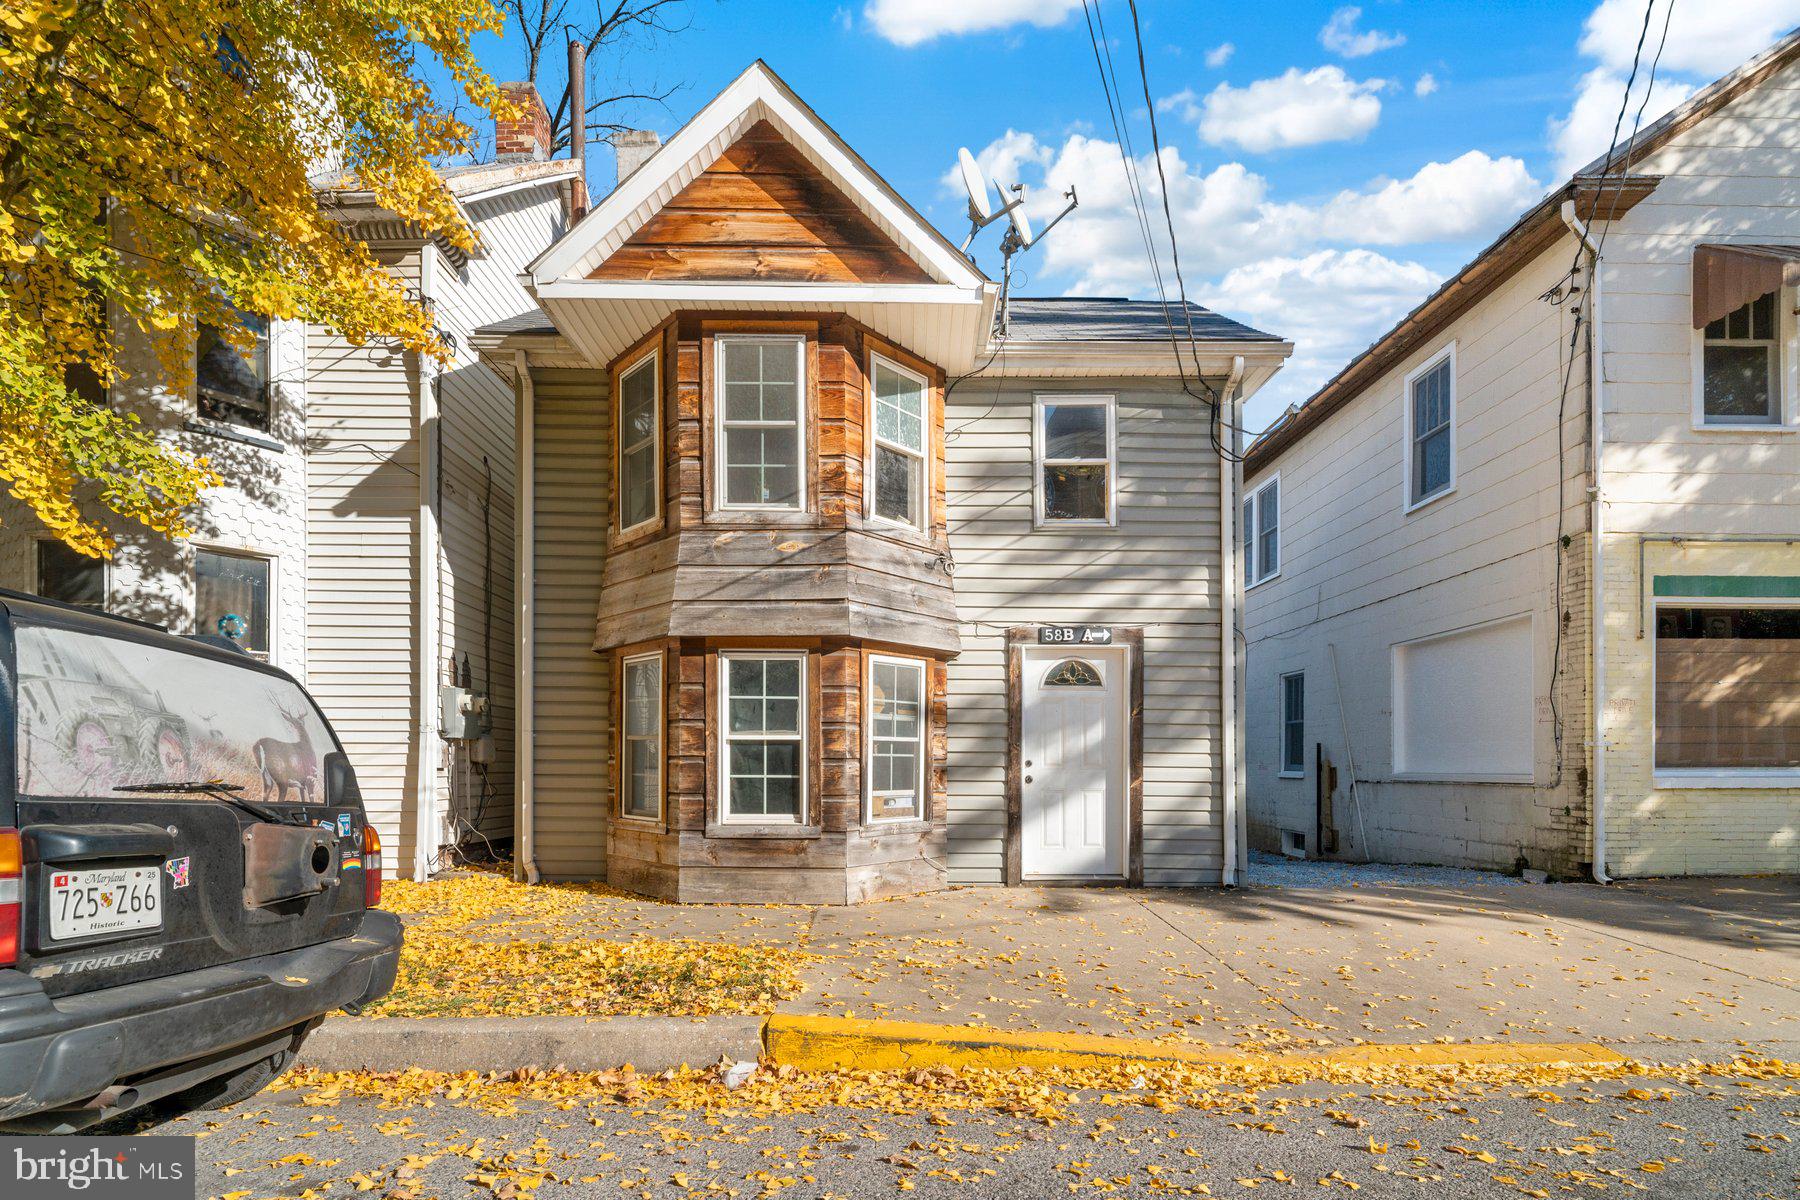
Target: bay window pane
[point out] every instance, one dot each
(765, 746)
(899, 486)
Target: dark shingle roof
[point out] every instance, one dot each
(531, 322)
(1112, 319)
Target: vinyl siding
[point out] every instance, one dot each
(1158, 569)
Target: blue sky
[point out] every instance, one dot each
(1328, 166)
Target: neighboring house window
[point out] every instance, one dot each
(762, 411)
(71, 577)
(1741, 366)
(231, 598)
(1262, 533)
(899, 400)
(896, 738)
(231, 383)
(1293, 724)
(639, 463)
(764, 752)
(1077, 456)
(1727, 687)
(640, 766)
(1431, 417)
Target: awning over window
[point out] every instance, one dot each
(1728, 277)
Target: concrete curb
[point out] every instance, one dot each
(500, 1044)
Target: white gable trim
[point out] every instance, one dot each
(757, 94)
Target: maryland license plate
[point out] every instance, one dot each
(87, 903)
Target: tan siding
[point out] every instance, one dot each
(1159, 568)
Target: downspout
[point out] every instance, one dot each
(1596, 388)
(525, 635)
(425, 791)
(1231, 484)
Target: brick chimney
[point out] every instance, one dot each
(631, 147)
(526, 137)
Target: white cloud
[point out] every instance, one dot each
(1705, 38)
(1298, 108)
(913, 22)
(1441, 202)
(1186, 102)
(1426, 86)
(1331, 304)
(1584, 134)
(1341, 36)
(1219, 55)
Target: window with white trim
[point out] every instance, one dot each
(1740, 365)
(640, 748)
(1431, 435)
(899, 406)
(896, 738)
(1262, 532)
(1293, 723)
(761, 405)
(639, 465)
(764, 727)
(1727, 687)
(231, 598)
(1077, 454)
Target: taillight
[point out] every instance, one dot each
(12, 895)
(371, 867)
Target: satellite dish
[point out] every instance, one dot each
(1020, 222)
(981, 204)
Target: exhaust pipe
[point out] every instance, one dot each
(116, 1096)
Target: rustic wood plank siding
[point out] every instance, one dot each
(1159, 569)
(571, 697)
(761, 211)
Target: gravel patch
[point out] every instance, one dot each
(1276, 870)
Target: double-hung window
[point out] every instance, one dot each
(764, 723)
(640, 749)
(1431, 429)
(1262, 532)
(899, 402)
(896, 738)
(761, 403)
(1293, 724)
(1077, 453)
(231, 372)
(639, 465)
(1741, 365)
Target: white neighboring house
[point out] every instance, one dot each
(366, 509)
(1418, 615)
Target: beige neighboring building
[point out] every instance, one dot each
(1431, 676)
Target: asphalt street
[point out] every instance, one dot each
(1705, 1136)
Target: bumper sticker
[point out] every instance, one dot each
(178, 871)
(343, 824)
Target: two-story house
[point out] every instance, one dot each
(831, 584)
(1523, 579)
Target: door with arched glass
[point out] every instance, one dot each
(1073, 758)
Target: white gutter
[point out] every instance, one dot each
(1596, 539)
(524, 633)
(425, 794)
(1231, 484)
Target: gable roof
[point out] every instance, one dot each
(1116, 319)
(758, 94)
(1596, 196)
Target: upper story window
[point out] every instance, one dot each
(639, 465)
(1076, 442)
(761, 403)
(231, 382)
(1740, 371)
(898, 417)
(1262, 532)
(1431, 429)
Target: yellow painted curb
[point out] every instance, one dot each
(849, 1043)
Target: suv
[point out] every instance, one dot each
(187, 877)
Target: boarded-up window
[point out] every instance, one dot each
(1727, 687)
(1463, 703)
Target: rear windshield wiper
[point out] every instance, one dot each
(217, 790)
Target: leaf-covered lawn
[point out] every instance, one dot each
(481, 945)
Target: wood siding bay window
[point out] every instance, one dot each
(641, 737)
(899, 422)
(761, 405)
(639, 461)
(1728, 688)
(763, 761)
(896, 745)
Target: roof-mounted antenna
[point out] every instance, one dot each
(982, 212)
(1020, 237)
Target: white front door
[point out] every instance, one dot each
(1072, 762)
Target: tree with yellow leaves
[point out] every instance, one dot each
(157, 167)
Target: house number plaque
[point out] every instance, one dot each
(1074, 635)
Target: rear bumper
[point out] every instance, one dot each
(60, 1052)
